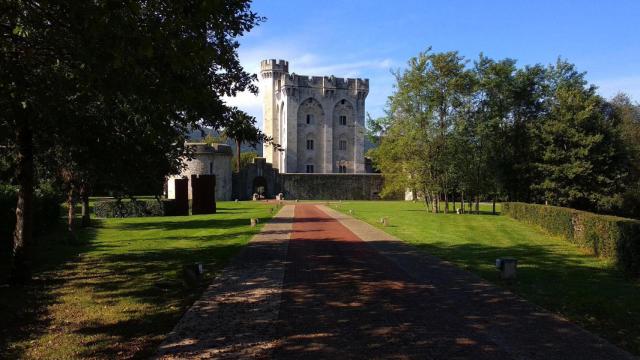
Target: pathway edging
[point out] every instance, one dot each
(235, 316)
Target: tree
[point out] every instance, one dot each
(583, 163)
(246, 158)
(143, 70)
(242, 129)
(429, 95)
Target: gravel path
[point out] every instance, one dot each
(326, 285)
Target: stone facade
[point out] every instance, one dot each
(319, 120)
(331, 186)
(261, 176)
(212, 159)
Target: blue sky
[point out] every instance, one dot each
(368, 39)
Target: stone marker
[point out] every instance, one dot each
(385, 221)
(253, 222)
(458, 211)
(350, 212)
(192, 275)
(256, 197)
(236, 200)
(507, 268)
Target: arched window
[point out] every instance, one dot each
(309, 144)
(309, 118)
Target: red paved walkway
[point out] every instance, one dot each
(344, 298)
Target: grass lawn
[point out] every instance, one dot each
(118, 290)
(551, 272)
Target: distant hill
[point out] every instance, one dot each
(196, 136)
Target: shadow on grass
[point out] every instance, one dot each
(23, 309)
(149, 279)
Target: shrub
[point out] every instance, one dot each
(606, 236)
(134, 208)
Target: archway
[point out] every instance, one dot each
(260, 186)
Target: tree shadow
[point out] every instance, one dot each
(24, 309)
(151, 280)
(379, 299)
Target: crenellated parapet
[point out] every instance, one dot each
(273, 68)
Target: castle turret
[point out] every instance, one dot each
(271, 73)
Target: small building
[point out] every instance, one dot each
(214, 159)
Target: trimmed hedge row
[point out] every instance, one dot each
(134, 208)
(607, 236)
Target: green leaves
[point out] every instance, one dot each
(534, 133)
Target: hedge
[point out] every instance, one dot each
(134, 208)
(606, 236)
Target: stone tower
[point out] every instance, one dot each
(318, 120)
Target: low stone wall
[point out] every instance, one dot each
(330, 186)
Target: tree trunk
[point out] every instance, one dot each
(446, 203)
(71, 210)
(238, 158)
(494, 204)
(434, 203)
(454, 201)
(462, 202)
(470, 204)
(84, 197)
(23, 233)
(478, 204)
(427, 200)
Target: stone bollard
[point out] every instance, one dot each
(192, 275)
(296, 200)
(253, 222)
(236, 200)
(458, 211)
(507, 268)
(385, 221)
(350, 212)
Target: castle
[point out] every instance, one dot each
(318, 120)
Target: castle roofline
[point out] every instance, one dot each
(204, 148)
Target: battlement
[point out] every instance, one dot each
(326, 82)
(274, 65)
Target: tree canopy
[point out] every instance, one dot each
(493, 129)
(105, 91)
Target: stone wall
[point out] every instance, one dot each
(331, 186)
(212, 159)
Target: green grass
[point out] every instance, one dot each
(117, 290)
(551, 272)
